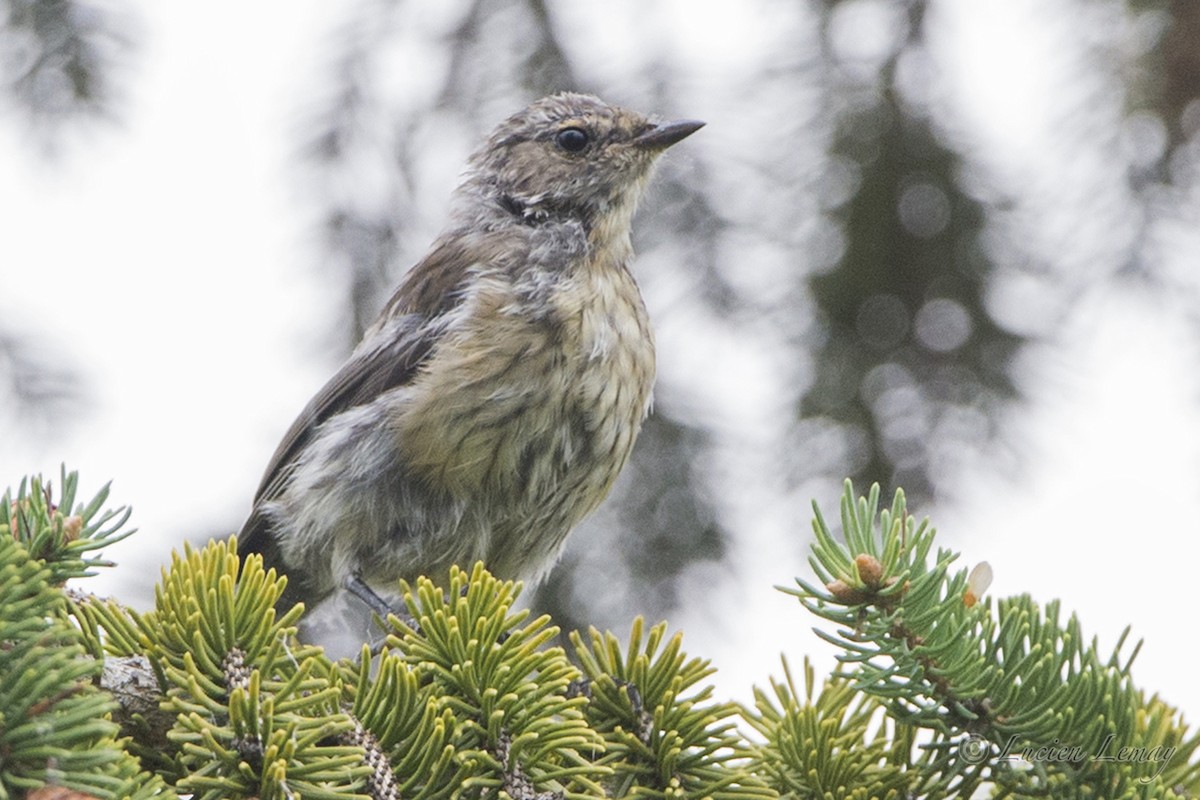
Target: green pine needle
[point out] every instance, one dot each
(836, 744)
(982, 680)
(939, 689)
(62, 533)
(493, 670)
(53, 725)
(663, 735)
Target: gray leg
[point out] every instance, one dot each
(357, 587)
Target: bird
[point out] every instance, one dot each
(493, 402)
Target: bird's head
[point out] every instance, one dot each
(571, 155)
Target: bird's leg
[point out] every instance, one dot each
(356, 586)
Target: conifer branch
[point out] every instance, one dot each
(940, 687)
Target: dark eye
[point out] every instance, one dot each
(572, 139)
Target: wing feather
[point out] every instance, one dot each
(391, 354)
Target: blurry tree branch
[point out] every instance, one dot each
(911, 355)
(59, 61)
(44, 392)
(360, 128)
(1173, 65)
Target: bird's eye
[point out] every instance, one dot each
(572, 139)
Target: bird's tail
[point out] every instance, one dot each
(255, 538)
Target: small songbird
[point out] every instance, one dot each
(492, 404)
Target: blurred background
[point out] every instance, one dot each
(945, 245)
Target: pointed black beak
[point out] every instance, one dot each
(667, 134)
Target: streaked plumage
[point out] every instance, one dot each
(495, 400)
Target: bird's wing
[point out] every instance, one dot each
(362, 379)
(382, 363)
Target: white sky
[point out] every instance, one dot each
(169, 259)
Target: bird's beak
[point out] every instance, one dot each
(667, 134)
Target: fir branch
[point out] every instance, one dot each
(836, 744)
(491, 668)
(218, 697)
(406, 721)
(986, 686)
(663, 735)
(256, 750)
(62, 533)
(214, 618)
(257, 713)
(53, 725)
